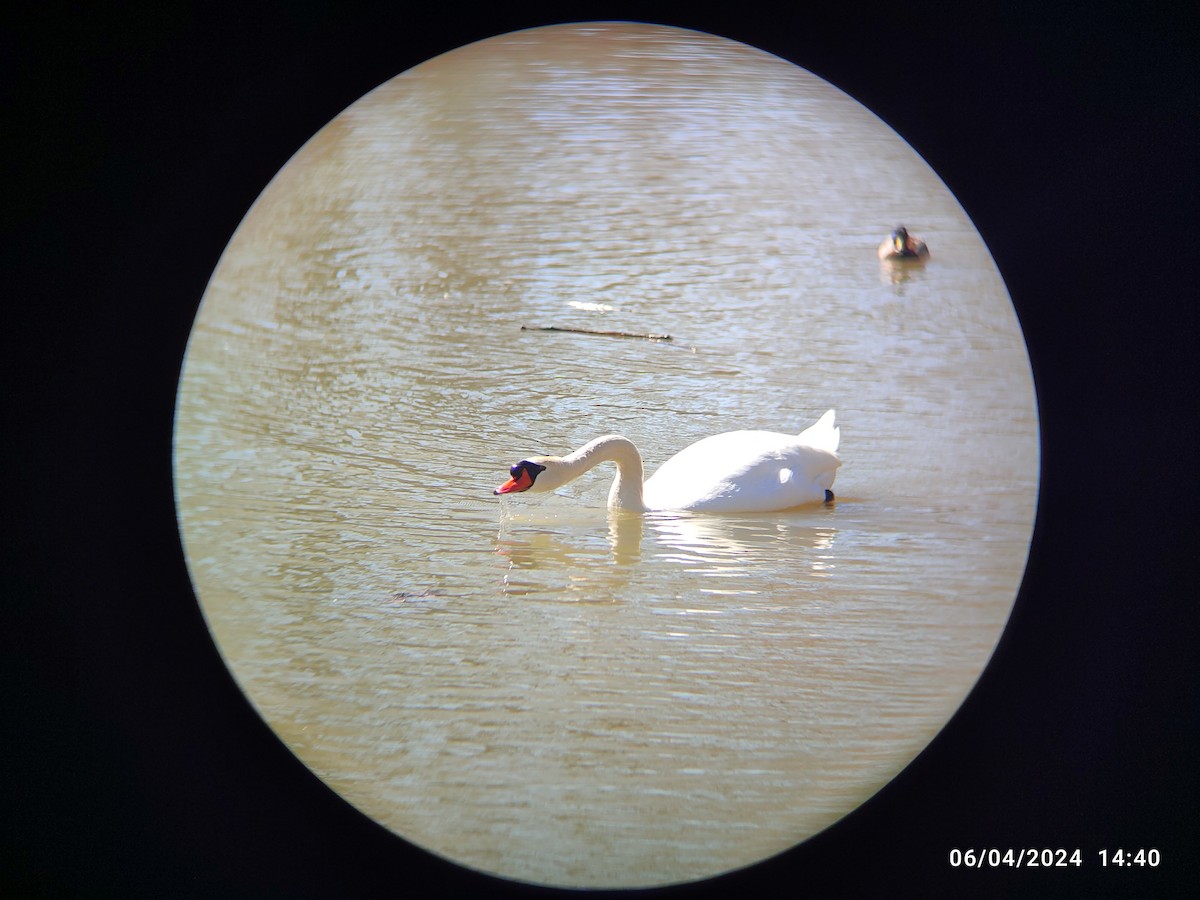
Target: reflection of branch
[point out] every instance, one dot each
(624, 334)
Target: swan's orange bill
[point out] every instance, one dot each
(515, 485)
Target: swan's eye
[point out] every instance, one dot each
(530, 470)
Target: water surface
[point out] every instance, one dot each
(531, 686)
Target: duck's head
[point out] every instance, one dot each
(525, 478)
(900, 239)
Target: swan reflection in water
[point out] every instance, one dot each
(714, 546)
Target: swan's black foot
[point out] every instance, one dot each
(828, 496)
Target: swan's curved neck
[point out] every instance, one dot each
(626, 490)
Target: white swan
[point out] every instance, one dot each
(739, 471)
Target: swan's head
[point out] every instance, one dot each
(525, 478)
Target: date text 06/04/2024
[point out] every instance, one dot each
(1030, 857)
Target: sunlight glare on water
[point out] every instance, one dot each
(530, 685)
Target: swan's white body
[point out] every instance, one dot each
(739, 471)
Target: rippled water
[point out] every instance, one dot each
(530, 685)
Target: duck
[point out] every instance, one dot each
(903, 246)
(733, 472)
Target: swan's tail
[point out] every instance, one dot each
(823, 435)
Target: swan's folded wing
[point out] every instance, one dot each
(742, 471)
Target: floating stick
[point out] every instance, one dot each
(624, 334)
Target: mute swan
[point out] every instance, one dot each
(739, 471)
(903, 246)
